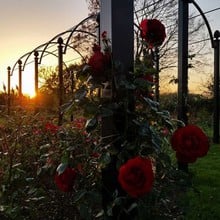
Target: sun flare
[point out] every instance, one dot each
(29, 91)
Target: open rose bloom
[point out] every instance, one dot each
(65, 181)
(99, 63)
(136, 176)
(153, 32)
(189, 142)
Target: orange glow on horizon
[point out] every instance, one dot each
(29, 92)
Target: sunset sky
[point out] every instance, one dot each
(26, 24)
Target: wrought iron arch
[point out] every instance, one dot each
(43, 48)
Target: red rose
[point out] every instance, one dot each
(148, 78)
(189, 142)
(79, 122)
(153, 32)
(97, 61)
(65, 181)
(51, 128)
(136, 176)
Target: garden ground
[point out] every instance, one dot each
(199, 201)
(203, 200)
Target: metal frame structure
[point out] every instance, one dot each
(183, 65)
(63, 42)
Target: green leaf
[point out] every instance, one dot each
(91, 124)
(61, 168)
(169, 124)
(132, 206)
(65, 158)
(79, 195)
(100, 214)
(45, 146)
(80, 94)
(154, 105)
(105, 158)
(85, 212)
(67, 107)
(144, 129)
(165, 158)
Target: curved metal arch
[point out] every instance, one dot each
(48, 52)
(36, 49)
(74, 29)
(44, 50)
(28, 54)
(206, 22)
(77, 52)
(45, 45)
(86, 32)
(71, 30)
(51, 53)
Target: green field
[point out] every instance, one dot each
(203, 201)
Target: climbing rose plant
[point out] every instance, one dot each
(123, 165)
(86, 170)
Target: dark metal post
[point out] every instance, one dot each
(183, 60)
(216, 88)
(183, 13)
(116, 18)
(36, 72)
(215, 45)
(9, 89)
(157, 76)
(36, 79)
(72, 88)
(20, 79)
(60, 75)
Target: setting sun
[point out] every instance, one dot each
(28, 90)
(27, 81)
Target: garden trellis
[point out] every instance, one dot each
(64, 42)
(123, 175)
(183, 65)
(122, 50)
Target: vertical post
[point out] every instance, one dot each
(183, 12)
(9, 88)
(36, 79)
(157, 77)
(36, 72)
(183, 60)
(216, 88)
(20, 79)
(116, 18)
(60, 76)
(72, 88)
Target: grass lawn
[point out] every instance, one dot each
(203, 202)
